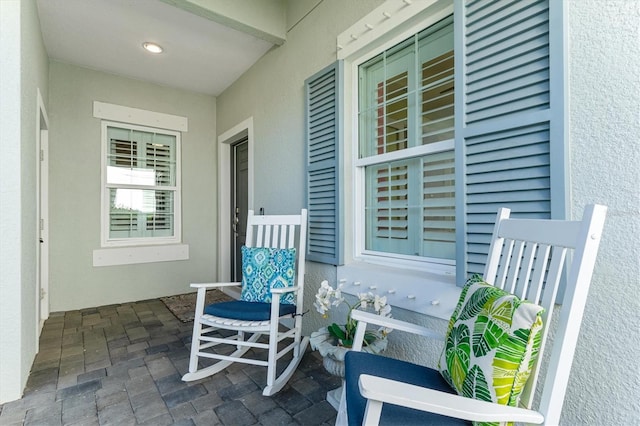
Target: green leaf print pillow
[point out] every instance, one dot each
(492, 341)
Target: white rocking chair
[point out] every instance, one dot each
(276, 319)
(526, 258)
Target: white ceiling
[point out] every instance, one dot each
(107, 35)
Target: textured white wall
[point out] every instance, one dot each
(75, 149)
(34, 70)
(604, 96)
(24, 69)
(10, 256)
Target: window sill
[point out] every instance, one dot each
(429, 293)
(133, 255)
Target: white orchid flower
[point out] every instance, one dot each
(327, 297)
(379, 302)
(338, 292)
(363, 300)
(385, 311)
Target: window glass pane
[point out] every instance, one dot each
(160, 158)
(388, 209)
(140, 158)
(138, 213)
(410, 206)
(438, 206)
(436, 83)
(406, 100)
(389, 91)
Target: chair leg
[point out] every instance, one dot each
(197, 330)
(195, 347)
(284, 377)
(273, 351)
(240, 338)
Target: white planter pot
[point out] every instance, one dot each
(333, 355)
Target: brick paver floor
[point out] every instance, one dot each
(122, 364)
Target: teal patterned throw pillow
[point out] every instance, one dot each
(492, 341)
(267, 268)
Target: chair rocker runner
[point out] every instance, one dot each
(273, 265)
(489, 369)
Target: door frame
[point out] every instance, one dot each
(42, 216)
(242, 130)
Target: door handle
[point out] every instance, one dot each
(234, 225)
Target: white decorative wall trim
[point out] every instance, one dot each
(432, 293)
(387, 17)
(138, 116)
(133, 255)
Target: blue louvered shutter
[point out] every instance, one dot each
(323, 94)
(504, 129)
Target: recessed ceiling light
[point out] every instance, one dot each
(152, 47)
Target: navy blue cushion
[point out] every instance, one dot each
(357, 363)
(246, 311)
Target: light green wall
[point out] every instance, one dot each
(24, 70)
(264, 19)
(298, 9)
(604, 123)
(272, 92)
(75, 190)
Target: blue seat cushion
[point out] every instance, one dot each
(246, 311)
(357, 363)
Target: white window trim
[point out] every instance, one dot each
(427, 286)
(134, 255)
(139, 241)
(416, 151)
(138, 251)
(432, 292)
(141, 117)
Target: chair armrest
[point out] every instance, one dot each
(371, 318)
(213, 285)
(282, 290)
(424, 399)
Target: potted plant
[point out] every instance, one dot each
(335, 340)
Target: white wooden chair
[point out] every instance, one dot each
(274, 319)
(527, 258)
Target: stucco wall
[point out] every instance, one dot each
(75, 150)
(10, 256)
(604, 88)
(24, 71)
(604, 124)
(34, 69)
(272, 92)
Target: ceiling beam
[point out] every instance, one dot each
(264, 19)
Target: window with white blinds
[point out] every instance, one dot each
(406, 147)
(141, 184)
